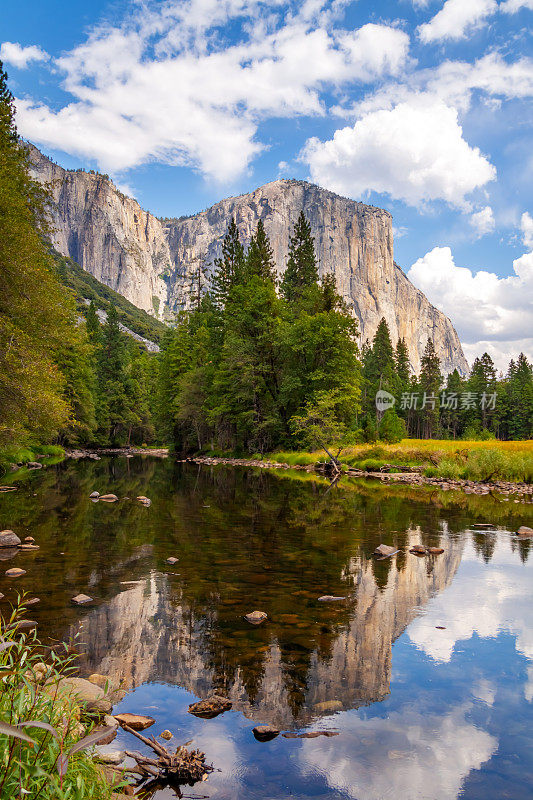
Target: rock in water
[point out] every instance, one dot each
(138, 722)
(418, 549)
(385, 550)
(108, 498)
(29, 547)
(210, 707)
(166, 735)
(435, 551)
(29, 540)
(525, 532)
(81, 599)
(94, 494)
(329, 598)
(265, 733)
(15, 572)
(34, 465)
(172, 560)
(256, 617)
(9, 539)
(113, 757)
(327, 706)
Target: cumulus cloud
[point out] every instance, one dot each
(168, 87)
(489, 312)
(480, 600)
(415, 152)
(483, 221)
(526, 226)
(18, 56)
(456, 18)
(512, 6)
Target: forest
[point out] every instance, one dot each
(255, 363)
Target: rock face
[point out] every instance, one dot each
(150, 261)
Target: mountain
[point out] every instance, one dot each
(150, 261)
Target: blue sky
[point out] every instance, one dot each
(422, 107)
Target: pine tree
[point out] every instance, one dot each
(94, 329)
(228, 269)
(430, 382)
(301, 272)
(379, 369)
(260, 258)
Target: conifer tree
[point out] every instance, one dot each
(430, 381)
(260, 258)
(301, 272)
(229, 268)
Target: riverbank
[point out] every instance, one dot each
(410, 478)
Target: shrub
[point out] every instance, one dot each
(391, 428)
(41, 754)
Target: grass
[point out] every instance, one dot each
(53, 723)
(16, 454)
(439, 458)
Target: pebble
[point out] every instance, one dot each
(15, 572)
(172, 560)
(81, 599)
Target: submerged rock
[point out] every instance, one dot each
(136, 721)
(309, 734)
(210, 707)
(256, 617)
(265, 733)
(32, 601)
(9, 539)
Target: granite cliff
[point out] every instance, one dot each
(150, 261)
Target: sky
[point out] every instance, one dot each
(422, 107)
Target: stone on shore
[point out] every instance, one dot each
(9, 539)
(86, 693)
(137, 722)
(15, 572)
(256, 617)
(100, 680)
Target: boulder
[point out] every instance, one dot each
(113, 757)
(9, 539)
(136, 721)
(210, 707)
(100, 680)
(108, 498)
(109, 722)
(81, 599)
(86, 693)
(385, 550)
(7, 553)
(256, 617)
(329, 598)
(265, 733)
(15, 572)
(93, 495)
(525, 532)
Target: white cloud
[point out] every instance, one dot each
(483, 221)
(167, 86)
(415, 152)
(483, 600)
(488, 312)
(456, 18)
(407, 754)
(18, 56)
(512, 6)
(526, 226)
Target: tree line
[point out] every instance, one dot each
(255, 363)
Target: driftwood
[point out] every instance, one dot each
(182, 766)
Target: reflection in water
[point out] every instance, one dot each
(250, 540)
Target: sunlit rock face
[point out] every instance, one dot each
(149, 632)
(151, 262)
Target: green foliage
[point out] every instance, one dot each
(301, 272)
(391, 428)
(31, 763)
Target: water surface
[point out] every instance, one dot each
(425, 669)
